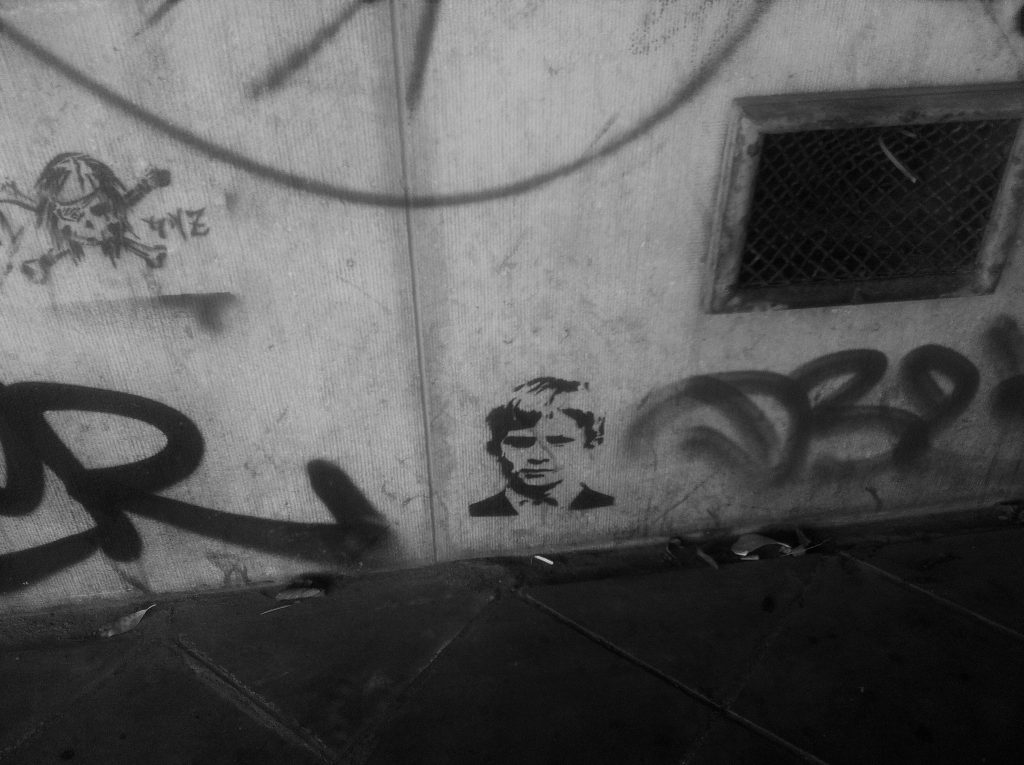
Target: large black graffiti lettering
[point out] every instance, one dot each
(111, 494)
(814, 404)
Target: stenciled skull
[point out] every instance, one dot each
(89, 220)
(84, 203)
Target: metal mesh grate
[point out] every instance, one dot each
(876, 203)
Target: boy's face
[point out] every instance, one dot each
(541, 457)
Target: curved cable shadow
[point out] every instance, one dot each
(352, 195)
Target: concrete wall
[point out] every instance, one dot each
(401, 211)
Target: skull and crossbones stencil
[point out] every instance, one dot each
(82, 205)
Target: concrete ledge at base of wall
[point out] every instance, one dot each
(84, 619)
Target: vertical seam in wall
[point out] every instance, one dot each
(417, 322)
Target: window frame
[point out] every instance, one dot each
(758, 116)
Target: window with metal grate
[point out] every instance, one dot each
(853, 198)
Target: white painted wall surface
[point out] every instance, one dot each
(560, 162)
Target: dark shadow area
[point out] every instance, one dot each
(208, 309)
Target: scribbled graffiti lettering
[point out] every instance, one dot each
(174, 221)
(110, 494)
(196, 226)
(188, 223)
(159, 225)
(99, 490)
(818, 401)
(82, 205)
(538, 438)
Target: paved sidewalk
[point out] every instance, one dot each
(901, 652)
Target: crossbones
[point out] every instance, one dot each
(81, 203)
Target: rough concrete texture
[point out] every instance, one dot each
(823, 658)
(338, 236)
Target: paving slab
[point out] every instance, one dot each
(868, 670)
(331, 665)
(41, 683)
(702, 627)
(521, 687)
(983, 571)
(154, 710)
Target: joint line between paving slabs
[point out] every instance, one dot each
(366, 738)
(265, 713)
(731, 694)
(761, 651)
(691, 692)
(937, 598)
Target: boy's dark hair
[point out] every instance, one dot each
(518, 414)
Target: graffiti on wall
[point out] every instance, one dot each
(187, 224)
(814, 423)
(539, 438)
(81, 205)
(818, 401)
(110, 495)
(1005, 344)
(280, 72)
